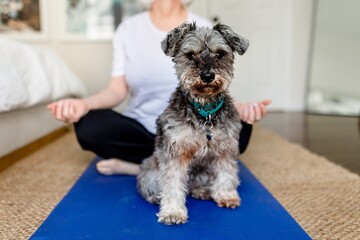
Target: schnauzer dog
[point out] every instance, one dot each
(197, 140)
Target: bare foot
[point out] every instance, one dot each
(115, 166)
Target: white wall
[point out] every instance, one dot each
(299, 49)
(336, 57)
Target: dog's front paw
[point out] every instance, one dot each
(228, 200)
(172, 218)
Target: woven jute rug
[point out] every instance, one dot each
(322, 197)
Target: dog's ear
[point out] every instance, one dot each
(172, 42)
(236, 42)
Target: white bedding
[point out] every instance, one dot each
(32, 75)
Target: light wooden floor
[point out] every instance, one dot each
(337, 138)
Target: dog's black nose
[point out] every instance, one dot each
(207, 76)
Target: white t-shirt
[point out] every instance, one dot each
(149, 73)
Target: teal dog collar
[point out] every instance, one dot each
(209, 108)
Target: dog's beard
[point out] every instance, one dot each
(207, 89)
(198, 88)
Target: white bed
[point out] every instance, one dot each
(30, 78)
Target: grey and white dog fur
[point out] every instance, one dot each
(184, 159)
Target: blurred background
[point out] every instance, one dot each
(334, 73)
(304, 55)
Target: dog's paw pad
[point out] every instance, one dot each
(229, 203)
(172, 219)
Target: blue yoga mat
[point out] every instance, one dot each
(109, 207)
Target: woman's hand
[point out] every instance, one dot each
(68, 110)
(252, 112)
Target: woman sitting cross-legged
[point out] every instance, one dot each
(140, 69)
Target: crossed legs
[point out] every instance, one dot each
(123, 141)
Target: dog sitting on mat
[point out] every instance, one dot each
(197, 140)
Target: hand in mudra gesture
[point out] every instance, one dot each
(68, 110)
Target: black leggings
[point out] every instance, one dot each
(112, 135)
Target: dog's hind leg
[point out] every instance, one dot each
(147, 180)
(199, 186)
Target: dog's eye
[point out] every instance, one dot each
(220, 54)
(190, 55)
